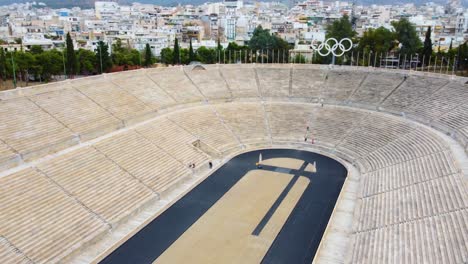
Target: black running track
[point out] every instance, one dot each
(297, 241)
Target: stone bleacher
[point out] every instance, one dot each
(307, 83)
(412, 91)
(144, 160)
(240, 80)
(206, 125)
(440, 239)
(173, 139)
(247, 120)
(115, 100)
(176, 84)
(42, 221)
(409, 172)
(441, 102)
(99, 183)
(78, 112)
(138, 84)
(376, 87)
(412, 185)
(30, 131)
(274, 81)
(340, 85)
(209, 81)
(367, 135)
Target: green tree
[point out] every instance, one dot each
(148, 56)
(124, 56)
(3, 64)
(462, 57)
(86, 62)
(263, 40)
(379, 41)
(207, 56)
(406, 35)
(103, 60)
(167, 56)
(36, 49)
(48, 63)
(191, 53)
(176, 55)
(427, 49)
(340, 29)
(184, 56)
(24, 61)
(299, 58)
(70, 56)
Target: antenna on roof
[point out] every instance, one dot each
(353, 15)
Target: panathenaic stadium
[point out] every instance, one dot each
(246, 163)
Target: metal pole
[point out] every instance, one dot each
(352, 58)
(423, 62)
(139, 56)
(399, 57)
(435, 64)
(447, 68)
(375, 59)
(100, 56)
(64, 68)
(14, 73)
(441, 63)
(386, 61)
(369, 59)
(357, 60)
(454, 63)
(224, 56)
(404, 63)
(429, 66)
(411, 62)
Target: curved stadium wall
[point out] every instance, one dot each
(83, 158)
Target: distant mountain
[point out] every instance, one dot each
(90, 3)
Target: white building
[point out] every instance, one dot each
(106, 9)
(231, 17)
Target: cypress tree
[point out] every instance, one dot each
(3, 64)
(148, 56)
(191, 53)
(427, 50)
(71, 57)
(450, 47)
(176, 57)
(103, 59)
(219, 44)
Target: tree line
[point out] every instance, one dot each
(370, 49)
(42, 65)
(263, 47)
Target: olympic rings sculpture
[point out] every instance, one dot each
(333, 48)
